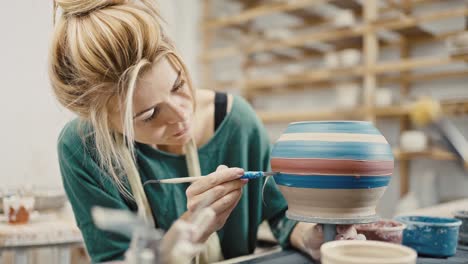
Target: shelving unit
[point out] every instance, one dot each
(374, 18)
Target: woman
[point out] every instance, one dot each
(141, 119)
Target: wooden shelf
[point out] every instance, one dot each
(337, 34)
(318, 75)
(408, 22)
(329, 84)
(279, 117)
(424, 77)
(258, 11)
(273, 8)
(433, 153)
(448, 107)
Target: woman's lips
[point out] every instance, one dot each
(181, 132)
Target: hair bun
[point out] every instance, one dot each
(79, 7)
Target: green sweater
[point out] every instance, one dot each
(240, 141)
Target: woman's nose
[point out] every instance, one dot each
(176, 113)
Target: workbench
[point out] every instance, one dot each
(292, 256)
(48, 231)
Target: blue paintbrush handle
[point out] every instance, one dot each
(256, 174)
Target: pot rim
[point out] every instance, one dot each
(406, 219)
(329, 249)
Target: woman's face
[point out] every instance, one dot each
(163, 107)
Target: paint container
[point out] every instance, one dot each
(384, 230)
(366, 252)
(463, 232)
(431, 236)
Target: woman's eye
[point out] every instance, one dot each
(153, 115)
(179, 86)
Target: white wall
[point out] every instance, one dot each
(30, 116)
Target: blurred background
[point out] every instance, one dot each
(293, 60)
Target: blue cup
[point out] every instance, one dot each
(431, 236)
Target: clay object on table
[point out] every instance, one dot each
(431, 236)
(463, 232)
(332, 170)
(18, 209)
(383, 230)
(366, 252)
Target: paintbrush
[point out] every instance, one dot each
(250, 175)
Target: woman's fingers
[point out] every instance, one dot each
(218, 177)
(222, 167)
(315, 238)
(227, 201)
(215, 193)
(346, 232)
(222, 217)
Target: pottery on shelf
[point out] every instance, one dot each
(332, 171)
(366, 252)
(431, 236)
(383, 230)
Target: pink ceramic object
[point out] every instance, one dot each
(383, 230)
(332, 171)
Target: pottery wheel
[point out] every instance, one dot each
(329, 224)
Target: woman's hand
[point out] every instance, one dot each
(309, 237)
(181, 242)
(220, 191)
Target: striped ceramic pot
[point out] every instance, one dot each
(332, 171)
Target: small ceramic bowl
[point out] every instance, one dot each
(431, 236)
(366, 252)
(384, 230)
(463, 232)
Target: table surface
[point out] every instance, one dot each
(46, 230)
(295, 257)
(441, 210)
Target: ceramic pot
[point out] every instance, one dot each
(331, 170)
(366, 252)
(463, 235)
(383, 230)
(431, 236)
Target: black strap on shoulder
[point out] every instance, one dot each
(220, 109)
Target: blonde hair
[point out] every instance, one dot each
(99, 49)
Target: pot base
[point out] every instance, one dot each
(344, 221)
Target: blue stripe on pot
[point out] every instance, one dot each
(331, 181)
(332, 150)
(355, 127)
